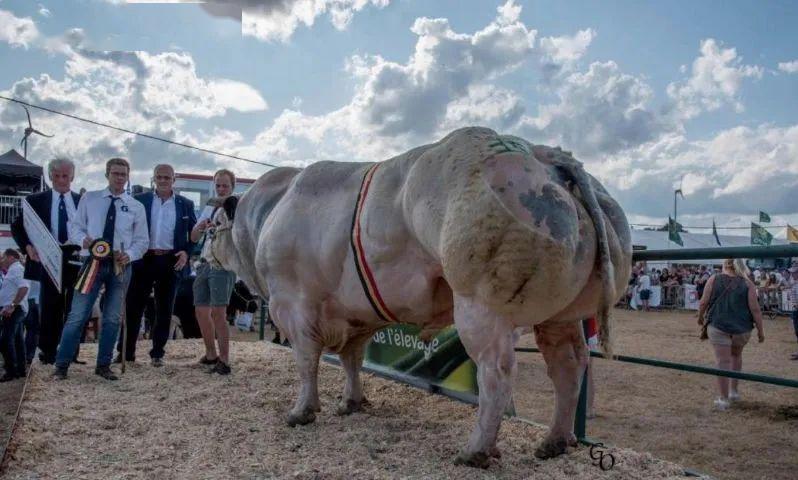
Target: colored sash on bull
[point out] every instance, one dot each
(362, 266)
(100, 250)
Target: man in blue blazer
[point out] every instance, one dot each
(170, 219)
(55, 208)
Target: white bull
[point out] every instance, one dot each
(483, 230)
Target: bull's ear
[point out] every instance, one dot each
(230, 204)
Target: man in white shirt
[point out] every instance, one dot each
(170, 218)
(116, 217)
(14, 303)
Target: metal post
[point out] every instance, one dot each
(580, 421)
(262, 333)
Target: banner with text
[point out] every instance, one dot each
(43, 241)
(442, 361)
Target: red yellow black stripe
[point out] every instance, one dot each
(363, 270)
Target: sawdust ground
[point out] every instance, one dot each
(181, 422)
(669, 413)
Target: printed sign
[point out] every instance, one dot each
(47, 247)
(442, 361)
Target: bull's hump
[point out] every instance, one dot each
(328, 177)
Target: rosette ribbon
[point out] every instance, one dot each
(99, 251)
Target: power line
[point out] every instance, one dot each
(133, 132)
(708, 228)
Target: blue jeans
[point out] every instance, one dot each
(115, 289)
(12, 344)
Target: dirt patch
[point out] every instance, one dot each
(181, 422)
(669, 413)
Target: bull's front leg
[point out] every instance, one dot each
(565, 353)
(297, 322)
(488, 339)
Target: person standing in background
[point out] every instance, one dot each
(14, 303)
(213, 286)
(170, 218)
(731, 309)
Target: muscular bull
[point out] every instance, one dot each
(484, 230)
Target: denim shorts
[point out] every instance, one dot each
(213, 286)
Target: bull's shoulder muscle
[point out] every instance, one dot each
(264, 194)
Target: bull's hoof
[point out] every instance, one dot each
(473, 459)
(551, 448)
(351, 406)
(303, 418)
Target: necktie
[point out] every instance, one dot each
(110, 222)
(62, 221)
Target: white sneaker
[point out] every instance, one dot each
(721, 404)
(734, 397)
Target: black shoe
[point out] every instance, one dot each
(221, 368)
(7, 377)
(205, 361)
(45, 360)
(60, 373)
(157, 362)
(106, 373)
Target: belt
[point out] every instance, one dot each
(158, 252)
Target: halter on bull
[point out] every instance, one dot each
(485, 231)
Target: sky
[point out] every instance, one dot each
(649, 95)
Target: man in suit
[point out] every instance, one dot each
(56, 208)
(170, 219)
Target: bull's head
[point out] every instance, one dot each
(220, 247)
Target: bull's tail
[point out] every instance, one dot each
(606, 269)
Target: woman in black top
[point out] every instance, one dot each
(730, 306)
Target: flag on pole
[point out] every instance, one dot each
(673, 232)
(759, 235)
(792, 234)
(764, 217)
(715, 232)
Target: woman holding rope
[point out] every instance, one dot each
(213, 286)
(730, 310)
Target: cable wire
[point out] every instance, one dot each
(133, 132)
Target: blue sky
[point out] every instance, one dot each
(646, 93)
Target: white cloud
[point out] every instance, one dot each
(151, 93)
(277, 20)
(738, 171)
(716, 77)
(789, 67)
(598, 111)
(562, 53)
(412, 98)
(44, 12)
(17, 32)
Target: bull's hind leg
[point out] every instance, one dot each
(565, 353)
(297, 322)
(352, 359)
(488, 339)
